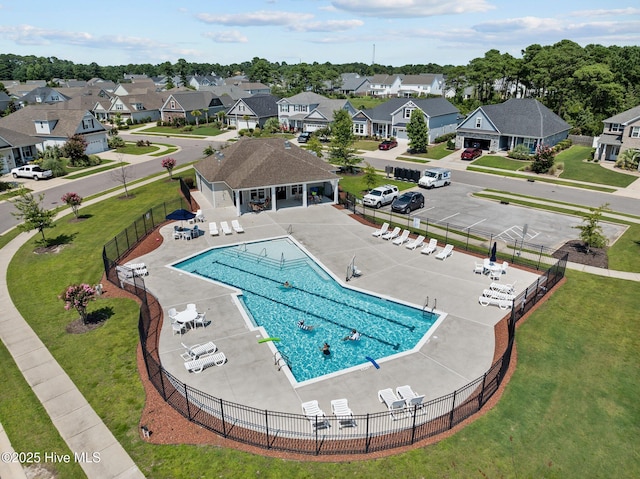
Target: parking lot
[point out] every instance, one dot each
(455, 205)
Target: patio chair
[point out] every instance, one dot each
(200, 320)
(403, 238)
(341, 410)
(416, 243)
(172, 313)
(383, 229)
(236, 226)
(445, 253)
(198, 350)
(394, 404)
(191, 306)
(177, 328)
(502, 303)
(504, 288)
(200, 364)
(478, 268)
(389, 235)
(314, 414)
(199, 216)
(410, 397)
(225, 227)
(431, 247)
(213, 229)
(504, 267)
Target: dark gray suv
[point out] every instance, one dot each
(408, 201)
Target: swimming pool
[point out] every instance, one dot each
(260, 268)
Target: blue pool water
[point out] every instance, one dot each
(260, 268)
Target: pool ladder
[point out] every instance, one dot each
(426, 306)
(280, 360)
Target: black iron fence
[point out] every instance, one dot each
(517, 251)
(295, 433)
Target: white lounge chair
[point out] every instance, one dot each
(496, 301)
(394, 404)
(431, 247)
(492, 293)
(314, 414)
(225, 227)
(445, 253)
(200, 364)
(389, 235)
(198, 350)
(383, 229)
(236, 226)
(213, 229)
(504, 288)
(416, 243)
(410, 397)
(403, 238)
(340, 409)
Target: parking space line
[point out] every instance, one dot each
(476, 223)
(447, 217)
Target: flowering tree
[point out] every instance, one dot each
(78, 296)
(74, 200)
(169, 163)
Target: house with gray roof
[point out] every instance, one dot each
(308, 111)
(271, 172)
(16, 149)
(253, 111)
(43, 94)
(390, 119)
(53, 125)
(351, 84)
(5, 100)
(421, 85)
(621, 132)
(182, 104)
(383, 85)
(506, 125)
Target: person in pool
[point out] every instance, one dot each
(325, 349)
(354, 336)
(303, 326)
(287, 285)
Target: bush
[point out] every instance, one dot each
(187, 128)
(115, 142)
(55, 165)
(543, 160)
(446, 137)
(94, 160)
(562, 145)
(189, 182)
(451, 144)
(520, 152)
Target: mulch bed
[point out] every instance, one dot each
(167, 426)
(577, 252)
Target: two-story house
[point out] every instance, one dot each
(383, 85)
(391, 117)
(421, 85)
(308, 111)
(621, 132)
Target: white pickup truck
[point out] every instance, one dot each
(31, 171)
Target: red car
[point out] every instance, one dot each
(387, 144)
(471, 154)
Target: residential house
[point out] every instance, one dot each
(506, 125)
(383, 85)
(143, 107)
(253, 111)
(182, 104)
(43, 94)
(231, 91)
(52, 125)
(199, 81)
(271, 172)
(308, 111)
(421, 85)
(136, 87)
(5, 101)
(16, 149)
(352, 84)
(621, 132)
(390, 118)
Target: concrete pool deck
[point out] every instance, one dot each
(460, 350)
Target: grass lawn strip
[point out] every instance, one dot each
(568, 411)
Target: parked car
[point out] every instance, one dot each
(408, 201)
(435, 177)
(382, 195)
(387, 144)
(471, 154)
(304, 137)
(31, 171)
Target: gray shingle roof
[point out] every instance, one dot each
(16, 139)
(194, 100)
(625, 117)
(261, 162)
(432, 107)
(525, 117)
(66, 120)
(262, 105)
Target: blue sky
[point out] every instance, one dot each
(335, 31)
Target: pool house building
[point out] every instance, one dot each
(257, 174)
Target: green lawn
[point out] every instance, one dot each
(133, 149)
(577, 168)
(202, 130)
(368, 145)
(570, 410)
(493, 161)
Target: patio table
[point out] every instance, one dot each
(188, 316)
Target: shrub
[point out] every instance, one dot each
(542, 160)
(77, 296)
(115, 142)
(187, 128)
(189, 182)
(94, 160)
(562, 145)
(451, 144)
(520, 152)
(55, 165)
(446, 137)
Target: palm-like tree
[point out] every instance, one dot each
(196, 114)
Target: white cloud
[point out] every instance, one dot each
(411, 8)
(606, 12)
(328, 26)
(261, 18)
(229, 36)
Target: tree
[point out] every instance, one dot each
(74, 200)
(341, 150)
(77, 296)
(315, 146)
(543, 159)
(196, 114)
(122, 174)
(272, 125)
(208, 150)
(629, 160)
(32, 213)
(591, 232)
(169, 164)
(418, 132)
(74, 149)
(370, 176)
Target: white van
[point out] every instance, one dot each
(435, 177)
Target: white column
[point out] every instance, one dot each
(304, 195)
